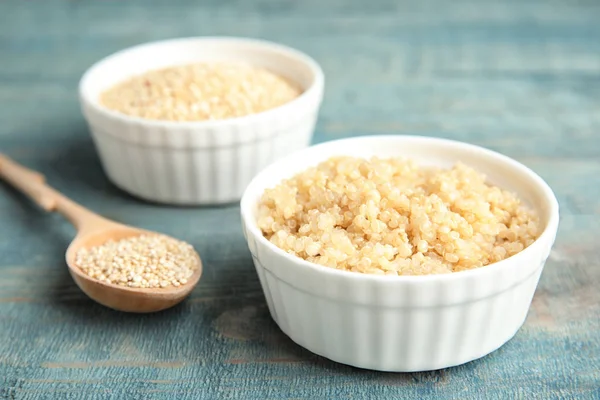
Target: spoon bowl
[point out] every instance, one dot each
(123, 298)
(94, 230)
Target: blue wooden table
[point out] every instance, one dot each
(520, 77)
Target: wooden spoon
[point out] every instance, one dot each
(94, 230)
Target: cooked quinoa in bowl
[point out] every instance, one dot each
(390, 216)
(353, 239)
(200, 91)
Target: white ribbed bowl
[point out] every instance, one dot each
(205, 162)
(403, 323)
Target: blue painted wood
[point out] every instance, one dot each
(520, 77)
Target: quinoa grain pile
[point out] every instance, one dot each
(146, 261)
(198, 92)
(389, 216)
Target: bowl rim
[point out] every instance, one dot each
(314, 90)
(547, 236)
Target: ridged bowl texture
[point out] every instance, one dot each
(402, 323)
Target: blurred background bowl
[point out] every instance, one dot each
(204, 162)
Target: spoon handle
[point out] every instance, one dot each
(33, 184)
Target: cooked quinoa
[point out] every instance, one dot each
(392, 217)
(145, 261)
(201, 91)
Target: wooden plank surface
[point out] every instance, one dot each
(520, 77)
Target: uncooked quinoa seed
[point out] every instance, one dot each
(201, 91)
(389, 216)
(146, 261)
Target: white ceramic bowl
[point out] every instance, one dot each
(403, 323)
(205, 162)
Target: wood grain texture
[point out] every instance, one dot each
(520, 77)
